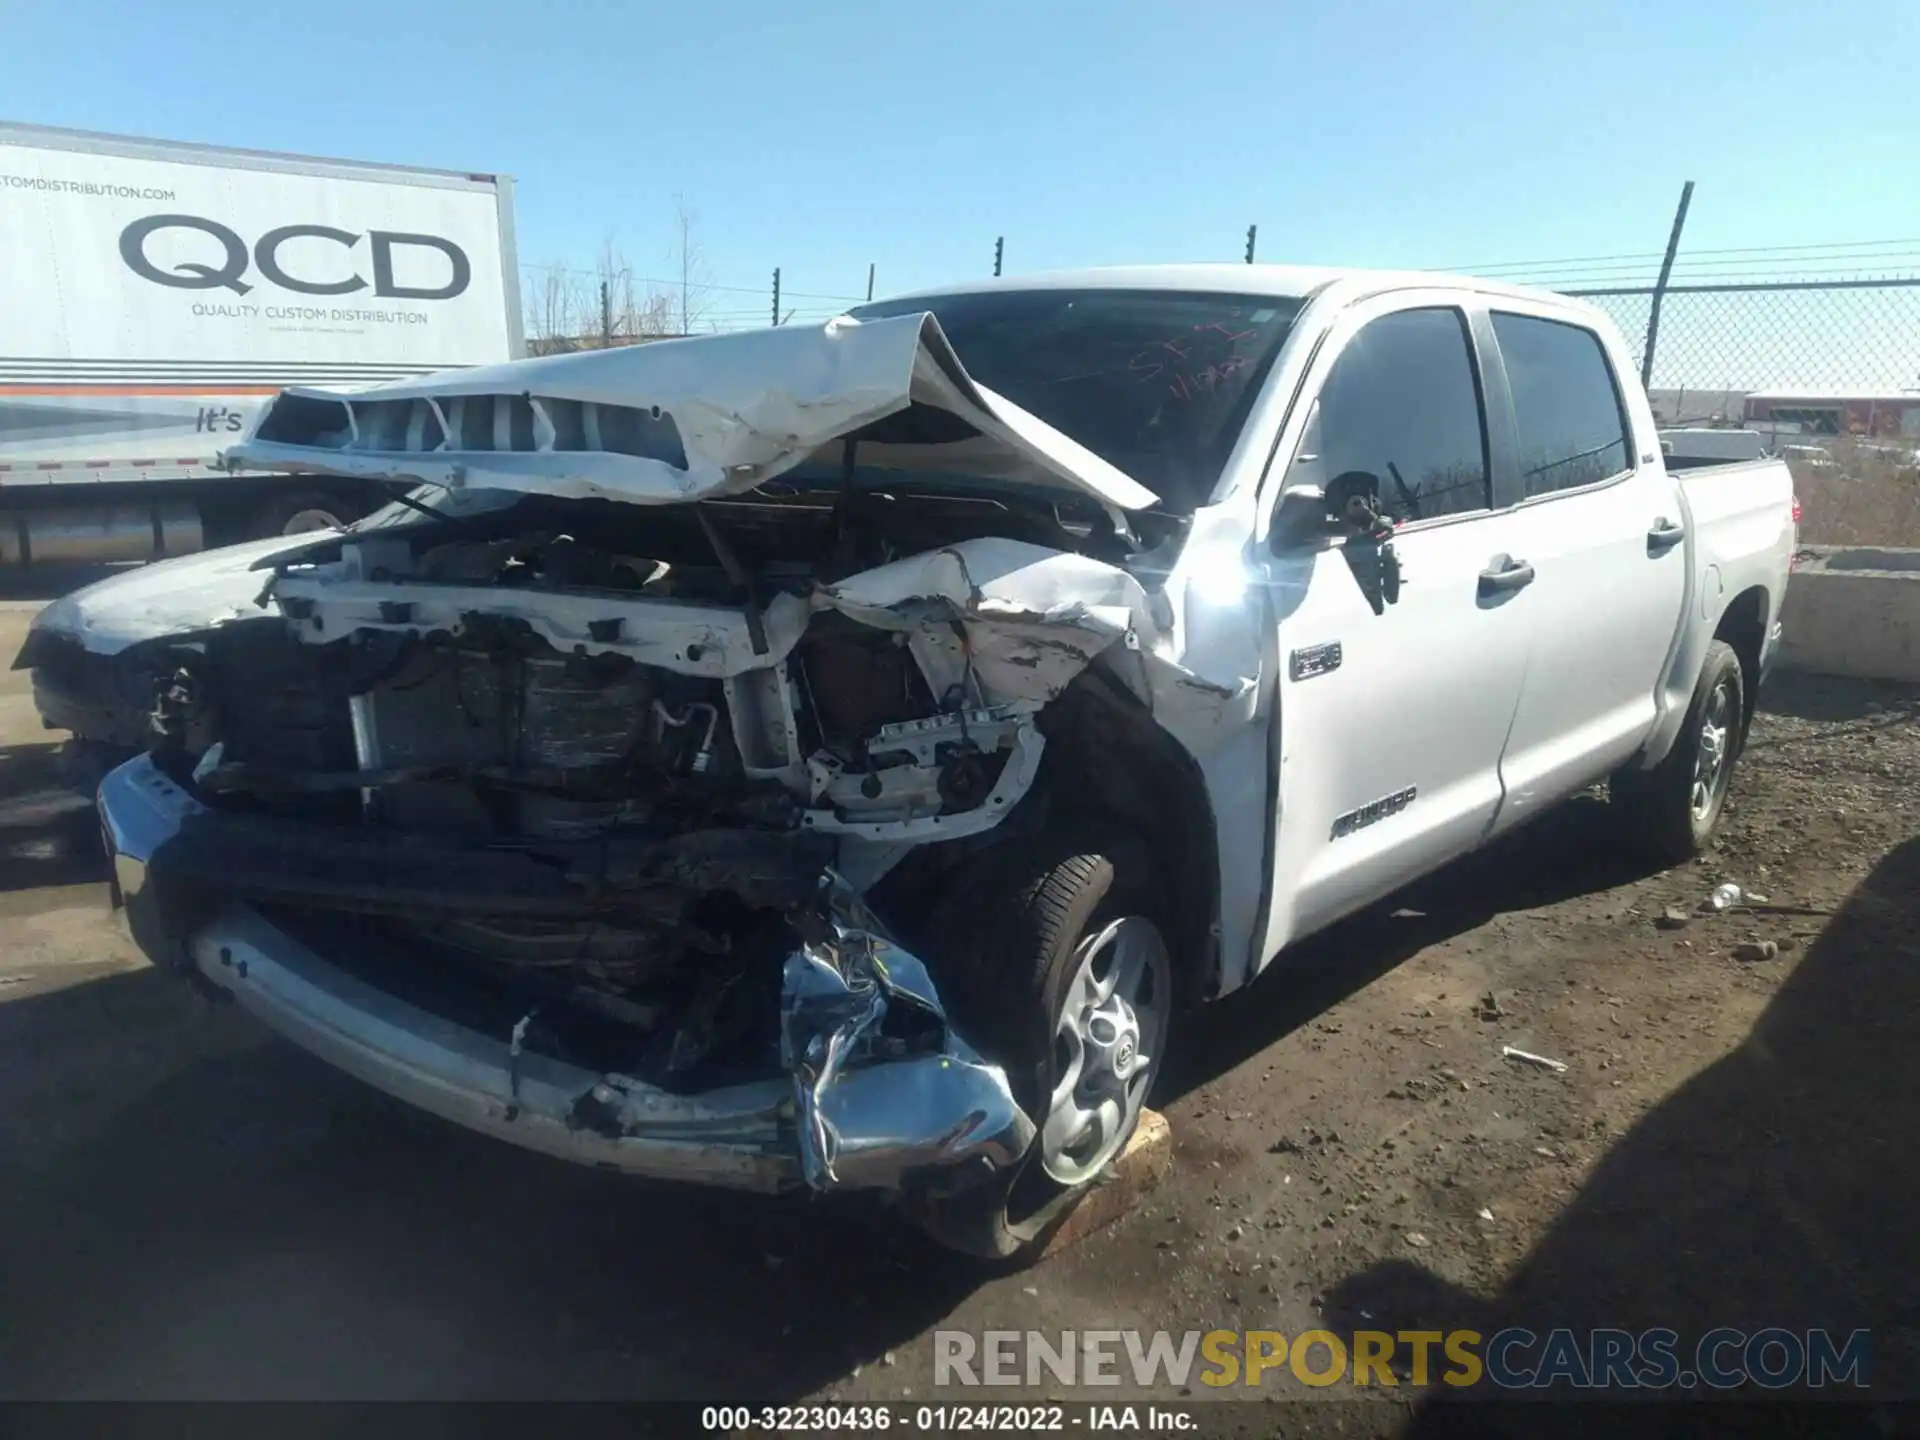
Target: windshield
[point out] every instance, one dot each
(1157, 383)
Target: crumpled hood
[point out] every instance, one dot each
(681, 420)
(170, 597)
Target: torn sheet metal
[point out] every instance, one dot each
(1029, 619)
(675, 420)
(866, 1114)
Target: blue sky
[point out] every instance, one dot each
(820, 137)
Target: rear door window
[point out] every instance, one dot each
(1566, 405)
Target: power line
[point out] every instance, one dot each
(1752, 262)
(676, 284)
(1683, 276)
(1653, 256)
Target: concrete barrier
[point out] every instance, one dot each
(1853, 611)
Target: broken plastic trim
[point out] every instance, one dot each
(866, 1116)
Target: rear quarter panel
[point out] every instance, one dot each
(1741, 539)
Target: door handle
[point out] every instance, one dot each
(1664, 535)
(1505, 574)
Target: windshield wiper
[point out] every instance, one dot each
(458, 522)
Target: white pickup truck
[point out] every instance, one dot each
(833, 756)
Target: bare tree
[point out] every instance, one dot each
(696, 286)
(630, 314)
(556, 308)
(570, 309)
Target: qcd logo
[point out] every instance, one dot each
(229, 272)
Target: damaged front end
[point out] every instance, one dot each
(565, 809)
(570, 846)
(877, 1086)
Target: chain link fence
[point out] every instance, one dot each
(1838, 336)
(1827, 370)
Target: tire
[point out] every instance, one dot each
(1021, 947)
(1671, 810)
(298, 512)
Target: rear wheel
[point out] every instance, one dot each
(1672, 809)
(1051, 959)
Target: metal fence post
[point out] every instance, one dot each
(1660, 285)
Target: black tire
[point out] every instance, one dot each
(295, 512)
(1660, 806)
(1001, 945)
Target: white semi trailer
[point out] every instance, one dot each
(154, 296)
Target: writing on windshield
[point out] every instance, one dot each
(1156, 383)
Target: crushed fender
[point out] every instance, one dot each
(882, 1084)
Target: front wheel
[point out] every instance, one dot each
(1051, 958)
(1672, 809)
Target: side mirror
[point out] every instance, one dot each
(1349, 505)
(1302, 515)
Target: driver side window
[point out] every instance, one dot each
(1402, 402)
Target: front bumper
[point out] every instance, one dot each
(843, 1116)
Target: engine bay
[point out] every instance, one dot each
(629, 841)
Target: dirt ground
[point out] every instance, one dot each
(188, 1208)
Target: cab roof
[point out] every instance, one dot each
(1281, 281)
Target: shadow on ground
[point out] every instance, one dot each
(49, 834)
(1774, 1189)
(255, 1224)
(1573, 850)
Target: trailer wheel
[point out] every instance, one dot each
(299, 512)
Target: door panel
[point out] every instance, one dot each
(1420, 702)
(1604, 605)
(1388, 760)
(1609, 554)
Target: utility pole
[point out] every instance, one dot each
(870, 280)
(1660, 285)
(1252, 230)
(776, 294)
(606, 317)
(999, 250)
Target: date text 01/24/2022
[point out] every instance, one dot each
(837, 1419)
